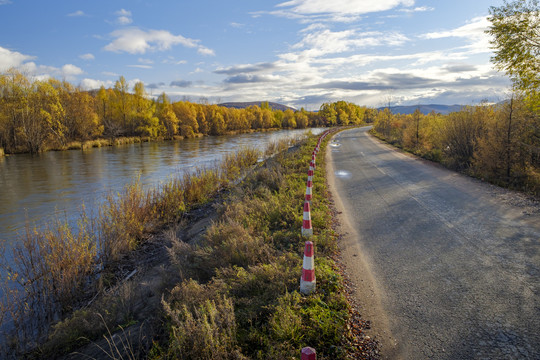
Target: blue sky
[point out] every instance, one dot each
(298, 52)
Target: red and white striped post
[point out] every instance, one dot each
(309, 192)
(310, 175)
(307, 281)
(308, 353)
(307, 230)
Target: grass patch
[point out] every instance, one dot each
(250, 263)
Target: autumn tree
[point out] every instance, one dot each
(121, 105)
(143, 112)
(383, 122)
(201, 121)
(187, 117)
(288, 121)
(301, 119)
(15, 89)
(461, 133)
(516, 40)
(217, 122)
(328, 113)
(80, 117)
(167, 117)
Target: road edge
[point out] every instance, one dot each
(366, 292)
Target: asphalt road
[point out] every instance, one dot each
(447, 267)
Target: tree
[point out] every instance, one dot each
(461, 133)
(217, 122)
(81, 120)
(288, 120)
(167, 116)
(328, 113)
(187, 116)
(121, 104)
(142, 113)
(516, 39)
(417, 116)
(301, 119)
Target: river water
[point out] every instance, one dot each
(36, 189)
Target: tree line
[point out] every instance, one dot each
(37, 115)
(499, 143)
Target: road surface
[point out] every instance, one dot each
(447, 267)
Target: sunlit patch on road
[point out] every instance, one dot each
(342, 174)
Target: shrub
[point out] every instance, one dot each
(201, 329)
(124, 220)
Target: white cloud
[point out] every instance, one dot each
(203, 50)
(137, 41)
(123, 12)
(418, 9)
(70, 72)
(319, 41)
(91, 84)
(9, 59)
(5, 2)
(77, 13)
(123, 20)
(337, 10)
(343, 6)
(474, 29)
(145, 61)
(109, 73)
(141, 66)
(87, 56)
(124, 17)
(473, 32)
(173, 61)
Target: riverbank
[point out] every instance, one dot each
(228, 275)
(127, 140)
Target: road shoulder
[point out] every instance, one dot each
(367, 294)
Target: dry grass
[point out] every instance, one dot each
(204, 326)
(124, 220)
(51, 273)
(56, 267)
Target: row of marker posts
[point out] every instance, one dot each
(307, 281)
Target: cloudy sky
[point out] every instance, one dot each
(297, 52)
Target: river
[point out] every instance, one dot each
(36, 189)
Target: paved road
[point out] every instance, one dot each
(447, 267)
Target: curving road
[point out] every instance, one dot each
(447, 267)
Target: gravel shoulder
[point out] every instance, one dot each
(446, 266)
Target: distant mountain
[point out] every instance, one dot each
(243, 105)
(424, 109)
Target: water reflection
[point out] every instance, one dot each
(56, 183)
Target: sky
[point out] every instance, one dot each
(301, 53)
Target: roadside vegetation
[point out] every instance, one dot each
(53, 271)
(41, 115)
(232, 293)
(498, 143)
(238, 293)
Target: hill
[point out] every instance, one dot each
(243, 105)
(425, 109)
